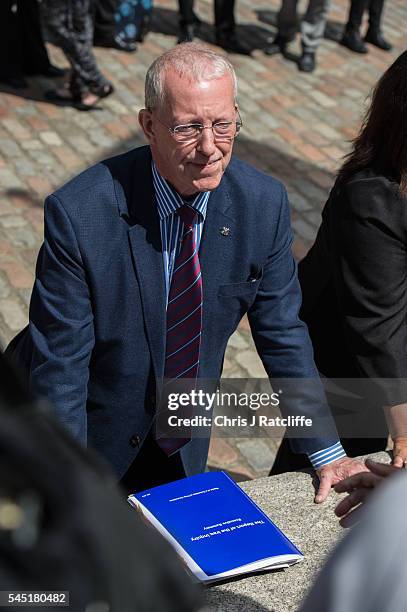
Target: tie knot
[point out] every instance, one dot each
(187, 214)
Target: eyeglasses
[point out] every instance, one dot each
(191, 132)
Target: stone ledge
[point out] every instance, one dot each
(288, 500)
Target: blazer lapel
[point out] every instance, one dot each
(215, 253)
(146, 250)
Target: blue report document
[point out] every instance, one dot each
(215, 527)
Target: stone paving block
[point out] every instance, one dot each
(25, 168)
(258, 454)
(25, 295)
(304, 229)
(101, 139)
(250, 361)
(5, 246)
(14, 316)
(40, 184)
(17, 275)
(33, 144)
(23, 237)
(298, 202)
(51, 138)
(46, 160)
(221, 452)
(9, 221)
(299, 248)
(16, 129)
(9, 180)
(5, 288)
(237, 341)
(9, 148)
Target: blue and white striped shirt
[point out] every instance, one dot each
(171, 227)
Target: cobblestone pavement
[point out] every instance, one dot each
(296, 126)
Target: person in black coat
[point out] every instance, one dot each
(354, 279)
(22, 49)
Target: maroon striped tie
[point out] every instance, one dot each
(184, 326)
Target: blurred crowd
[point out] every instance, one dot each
(78, 25)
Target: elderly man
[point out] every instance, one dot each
(149, 262)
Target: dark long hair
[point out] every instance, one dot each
(382, 140)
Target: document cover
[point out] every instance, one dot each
(215, 527)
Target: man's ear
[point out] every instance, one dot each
(146, 123)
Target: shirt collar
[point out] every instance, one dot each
(168, 200)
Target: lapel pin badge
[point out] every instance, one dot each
(225, 231)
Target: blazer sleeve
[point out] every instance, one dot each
(372, 280)
(283, 342)
(61, 322)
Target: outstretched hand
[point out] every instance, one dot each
(329, 475)
(359, 486)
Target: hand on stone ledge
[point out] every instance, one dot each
(400, 452)
(329, 475)
(359, 486)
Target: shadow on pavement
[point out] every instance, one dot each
(221, 600)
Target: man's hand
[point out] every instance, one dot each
(359, 488)
(400, 452)
(329, 475)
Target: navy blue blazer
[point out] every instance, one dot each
(95, 343)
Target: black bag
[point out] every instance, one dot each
(133, 20)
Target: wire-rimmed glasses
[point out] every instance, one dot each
(191, 132)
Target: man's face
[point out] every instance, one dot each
(191, 166)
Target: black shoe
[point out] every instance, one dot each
(187, 34)
(375, 37)
(116, 43)
(278, 45)
(14, 82)
(231, 43)
(353, 41)
(307, 63)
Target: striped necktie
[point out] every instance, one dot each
(184, 327)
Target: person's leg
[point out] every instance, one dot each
(357, 8)
(225, 27)
(11, 49)
(351, 37)
(71, 26)
(374, 34)
(36, 59)
(224, 17)
(287, 26)
(312, 32)
(104, 12)
(186, 13)
(188, 21)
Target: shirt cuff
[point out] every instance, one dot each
(327, 455)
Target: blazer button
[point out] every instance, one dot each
(135, 441)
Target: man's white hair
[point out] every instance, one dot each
(195, 61)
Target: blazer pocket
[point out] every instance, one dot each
(236, 289)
